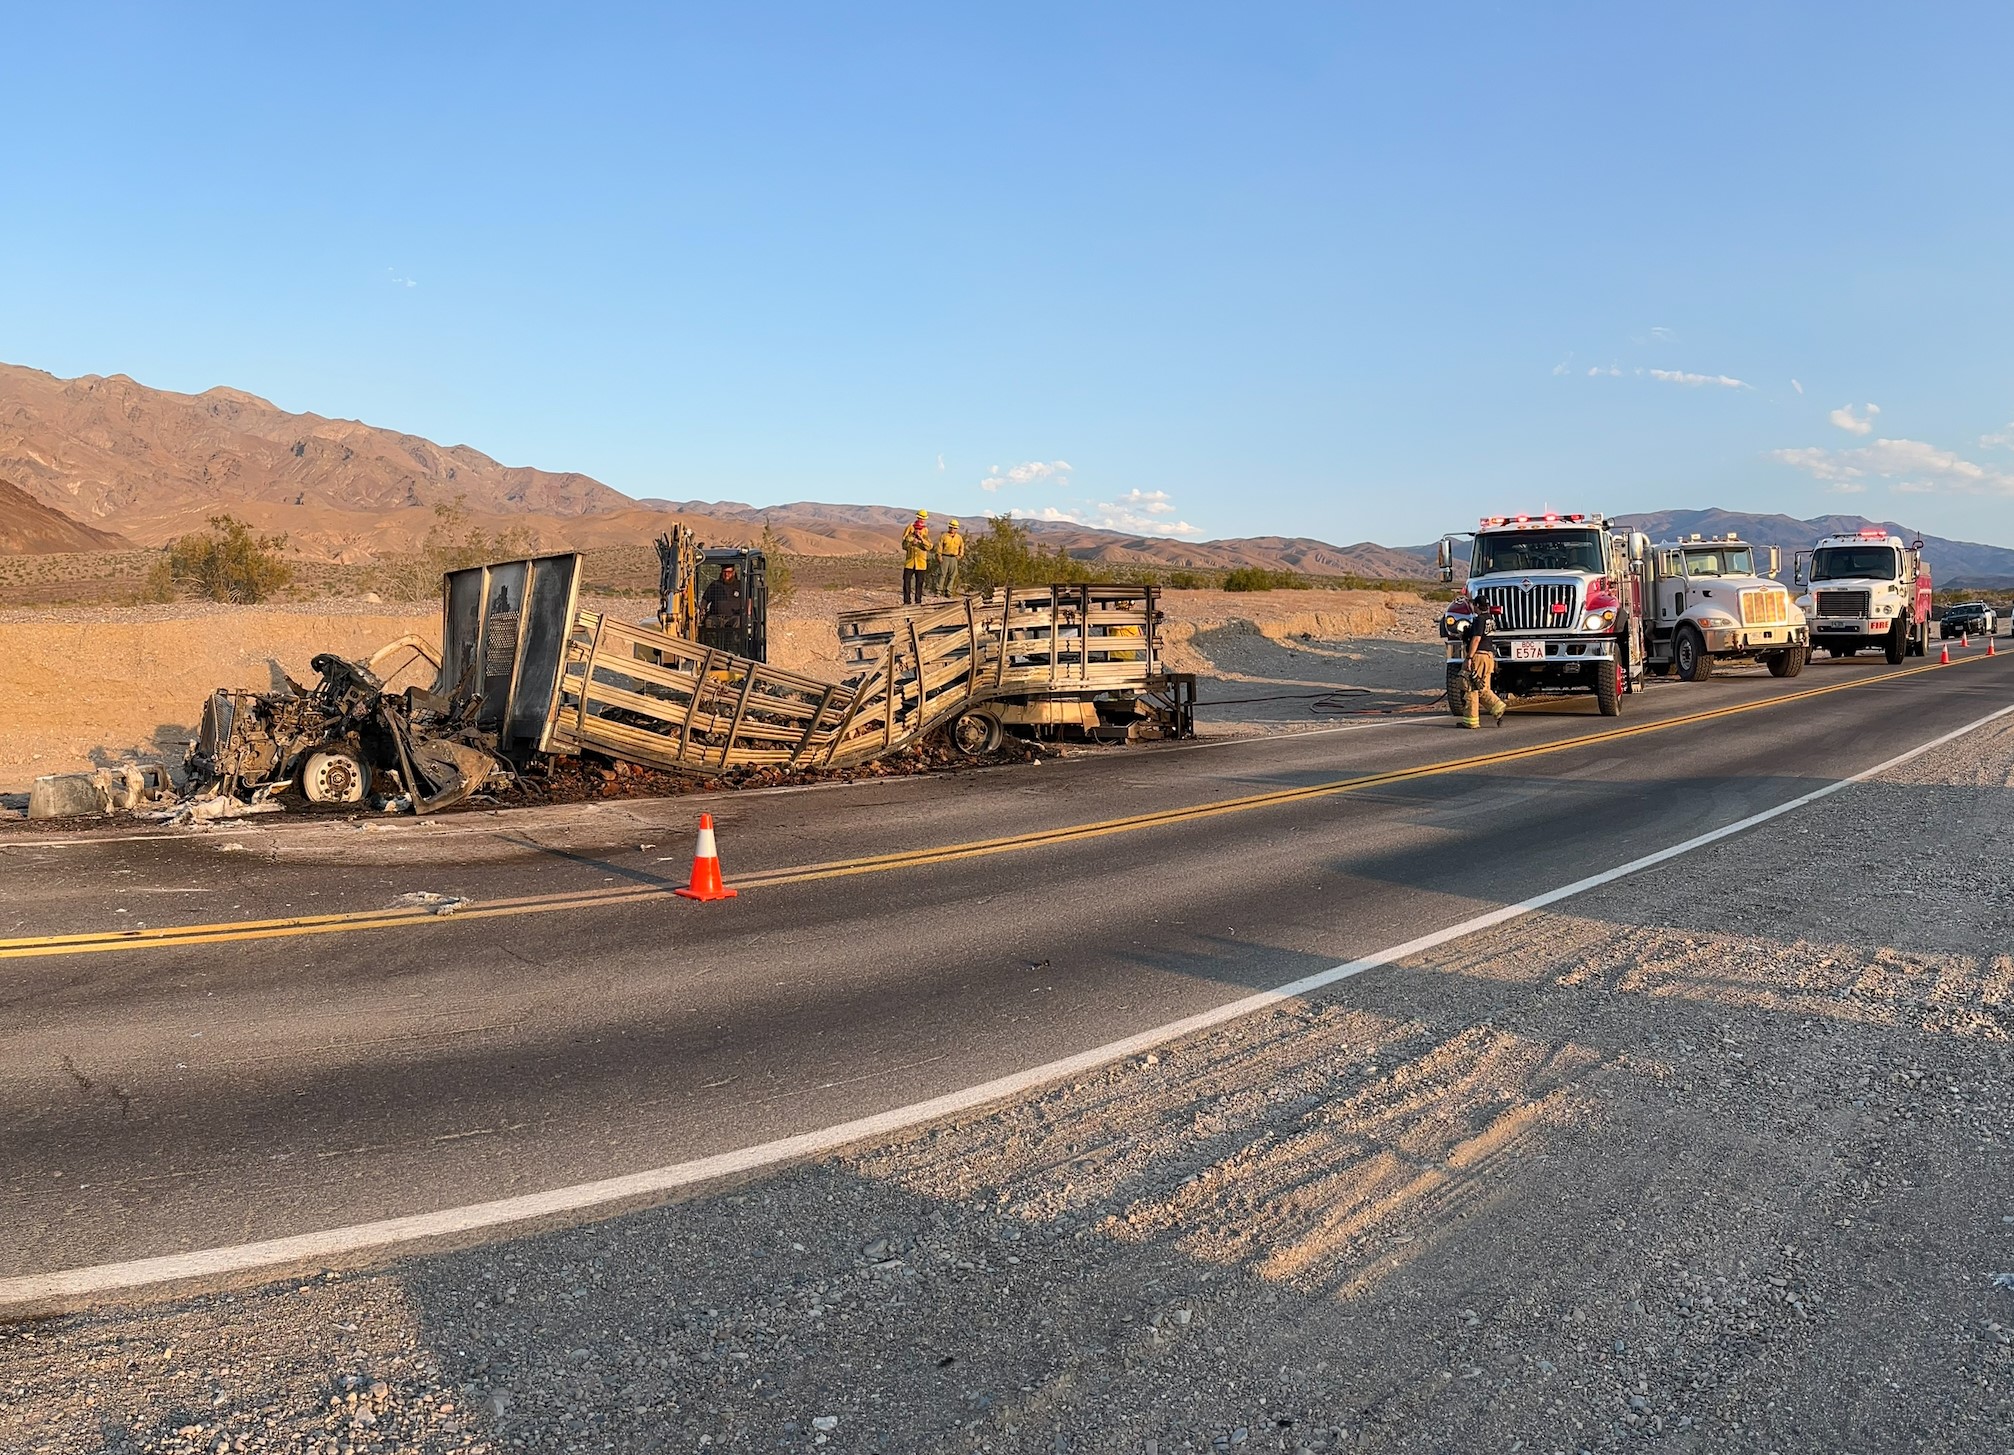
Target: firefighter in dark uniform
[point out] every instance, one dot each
(1478, 665)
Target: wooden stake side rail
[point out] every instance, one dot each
(636, 693)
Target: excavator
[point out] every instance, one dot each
(717, 596)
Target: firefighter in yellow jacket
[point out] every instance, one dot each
(950, 557)
(1478, 665)
(916, 559)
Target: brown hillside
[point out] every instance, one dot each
(30, 528)
(152, 463)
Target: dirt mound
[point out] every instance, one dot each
(30, 528)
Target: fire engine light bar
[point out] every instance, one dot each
(1874, 535)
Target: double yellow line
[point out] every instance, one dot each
(355, 920)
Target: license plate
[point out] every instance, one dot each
(1527, 651)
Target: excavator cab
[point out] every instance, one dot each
(734, 602)
(718, 597)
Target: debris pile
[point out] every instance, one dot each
(345, 740)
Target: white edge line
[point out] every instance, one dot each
(364, 1237)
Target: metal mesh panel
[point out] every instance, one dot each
(1765, 608)
(1544, 606)
(1842, 603)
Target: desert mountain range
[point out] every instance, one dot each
(105, 463)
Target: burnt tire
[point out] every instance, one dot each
(1608, 688)
(1897, 645)
(978, 732)
(1689, 655)
(1788, 662)
(334, 775)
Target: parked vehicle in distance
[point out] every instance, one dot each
(1867, 589)
(1709, 603)
(1968, 619)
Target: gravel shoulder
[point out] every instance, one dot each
(1718, 1159)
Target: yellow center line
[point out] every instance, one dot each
(374, 919)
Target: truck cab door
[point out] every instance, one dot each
(1670, 589)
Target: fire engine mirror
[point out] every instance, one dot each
(1446, 558)
(1775, 561)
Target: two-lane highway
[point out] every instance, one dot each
(286, 1047)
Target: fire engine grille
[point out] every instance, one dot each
(1547, 605)
(1766, 607)
(1842, 603)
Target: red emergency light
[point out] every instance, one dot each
(1874, 535)
(1559, 608)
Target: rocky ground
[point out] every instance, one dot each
(1713, 1161)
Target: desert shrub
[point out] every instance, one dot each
(1008, 555)
(776, 567)
(1257, 578)
(452, 543)
(1187, 580)
(228, 562)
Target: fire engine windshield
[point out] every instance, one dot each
(1844, 563)
(1518, 552)
(1719, 561)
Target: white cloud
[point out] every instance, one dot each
(2004, 440)
(398, 281)
(1853, 423)
(1911, 467)
(1797, 386)
(1149, 502)
(940, 462)
(1118, 515)
(1694, 381)
(1663, 335)
(1596, 371)
(1034, 472)
(1139, 512)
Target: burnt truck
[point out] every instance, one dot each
(1866, 589)
(1565, 593)
(1709, 604)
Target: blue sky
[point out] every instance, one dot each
(1343, 271)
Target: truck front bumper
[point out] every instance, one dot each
(1736, 640)
(1559, 651)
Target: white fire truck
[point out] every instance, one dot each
(1709, 603)
(1867, 589)
(1566, 595)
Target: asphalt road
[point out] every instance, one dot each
(572, 1022)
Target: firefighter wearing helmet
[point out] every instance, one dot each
(1478, 665)
(916, 559)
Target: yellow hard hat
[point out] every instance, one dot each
(954, 525)
(923, 515)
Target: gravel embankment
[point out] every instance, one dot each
(1717, 1160)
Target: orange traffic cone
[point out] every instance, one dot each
(1989, 646)
(1943, 660)
(1965, 639)
(705, 867)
